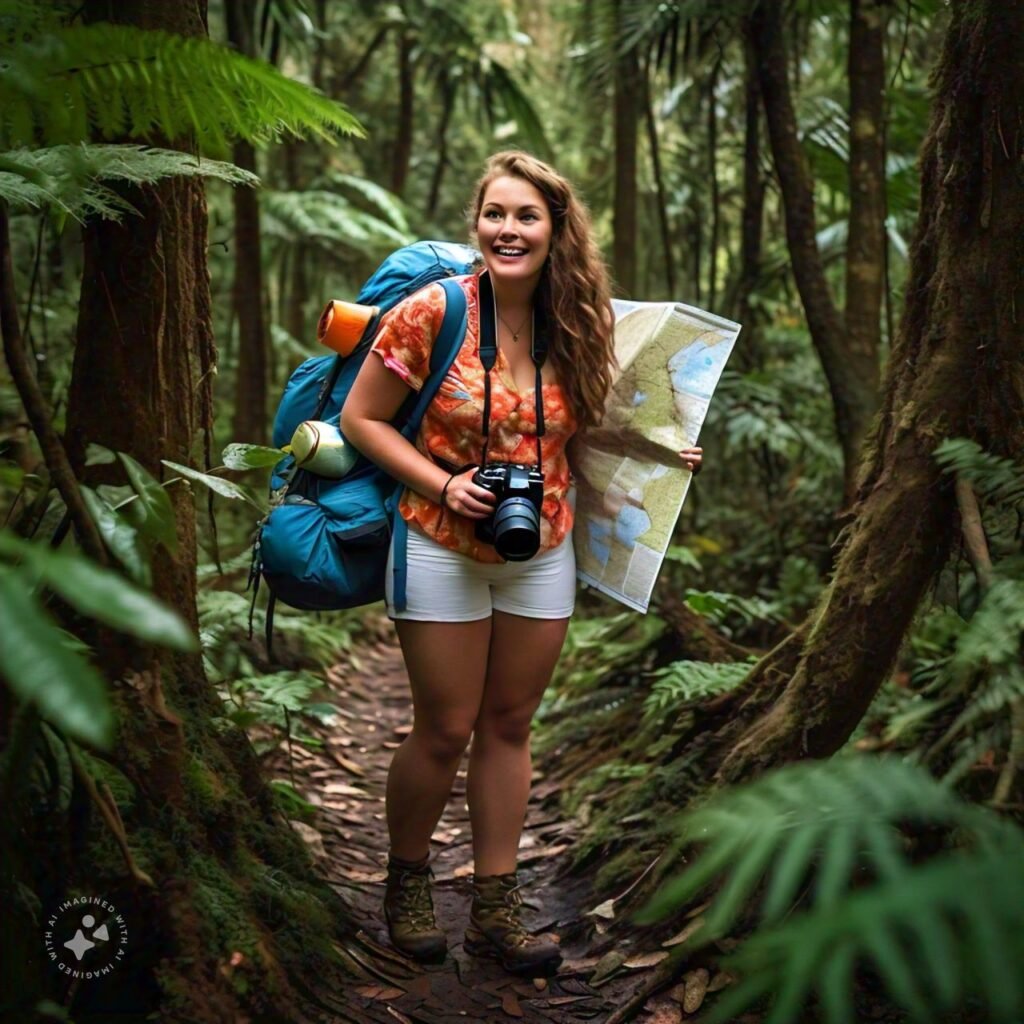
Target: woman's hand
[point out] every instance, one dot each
(466, 498)
(692, 458)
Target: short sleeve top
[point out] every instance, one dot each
(452, 428)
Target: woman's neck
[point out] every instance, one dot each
(512, 296)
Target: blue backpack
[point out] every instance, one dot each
(324, 544)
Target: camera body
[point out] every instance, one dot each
(514, 525)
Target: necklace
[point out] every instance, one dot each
(515, 332)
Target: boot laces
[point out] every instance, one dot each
(415, 904)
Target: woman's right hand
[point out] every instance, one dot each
(466, 498)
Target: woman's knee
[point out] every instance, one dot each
(443, 741)
(509, 725)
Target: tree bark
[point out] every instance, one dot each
(447, 107)
(250, 418)
(753, 211)
(406, 112)
(955, 371)
(659, 184)
(850, 373)
(715, 199)
(624, 224)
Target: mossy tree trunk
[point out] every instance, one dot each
(626, 114)
(956, 370)
(234, 901)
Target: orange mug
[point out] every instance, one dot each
(343, 325)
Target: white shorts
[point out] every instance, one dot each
(445, 586)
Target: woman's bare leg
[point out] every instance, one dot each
(523, 654)
(447, 662)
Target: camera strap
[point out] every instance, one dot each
(489, 355)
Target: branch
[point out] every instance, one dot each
(974, 532)
(54, 455)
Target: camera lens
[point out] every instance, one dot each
(517, 529)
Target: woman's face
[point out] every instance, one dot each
(514, 230)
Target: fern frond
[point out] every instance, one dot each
(67, 85)
(69, 177)
(935, 935)
(390, 208)
(329, 219)
(684, 681)
(833, 817)
(999, 479)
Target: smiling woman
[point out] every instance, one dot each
(484, 621)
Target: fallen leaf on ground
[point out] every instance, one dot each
(510, 1004)
(310, 837)
(606, 909)
(663, 1011)
(379, 992)
(720, 980)
(688, 932)
(645, 960)
(696, 983)
(607, 966)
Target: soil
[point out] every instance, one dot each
(345, 780)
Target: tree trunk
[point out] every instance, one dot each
(955, 371)
(250, 419)
(753, 213)
(447, 106)
(659, 185)
(714, 199)
(195, 810)
(624, 225)
(850, 377)
(406, 97)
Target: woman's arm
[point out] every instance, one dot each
(376, 395)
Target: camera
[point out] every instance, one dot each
(514, 525)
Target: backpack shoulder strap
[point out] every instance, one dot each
(446, 347)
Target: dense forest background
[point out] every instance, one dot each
(183, 186)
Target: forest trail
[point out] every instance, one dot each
(345, 779)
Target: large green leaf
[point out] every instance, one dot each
(250, 456)
(102, 594)
(38, 667)
(120, 536)
(216, 484)
(153, 513)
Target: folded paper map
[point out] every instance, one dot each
(630, 482)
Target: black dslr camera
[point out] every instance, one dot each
(514, 525)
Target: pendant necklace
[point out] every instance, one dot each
(515, 333)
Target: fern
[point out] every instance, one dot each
(998, 479)
(684, 681)
(382, 202)
(72, 82)
(329, 219)
(923, 928)
(69, 177)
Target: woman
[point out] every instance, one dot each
(481, 636)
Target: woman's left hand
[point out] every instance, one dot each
(692, 458)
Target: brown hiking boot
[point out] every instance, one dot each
(409, 912)
(496, 931)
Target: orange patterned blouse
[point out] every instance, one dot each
(452, 428)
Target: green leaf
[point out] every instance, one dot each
(97, 455)
(68, 691)
(120, 536)
(250, 456)
(217, 484)
(103, 595)
(153, 513)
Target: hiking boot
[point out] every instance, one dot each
(409, 911)
(496, 931)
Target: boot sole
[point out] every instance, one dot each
(485, 949)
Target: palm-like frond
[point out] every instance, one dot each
(74, 82)
(684, 681)
(996, 478)
(70, 178)
(931, 932)
(328, 219)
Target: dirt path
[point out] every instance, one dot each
(345, 779)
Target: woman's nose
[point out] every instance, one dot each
(508, 227)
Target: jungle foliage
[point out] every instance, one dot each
(893, 871)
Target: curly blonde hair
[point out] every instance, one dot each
(574, 290)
